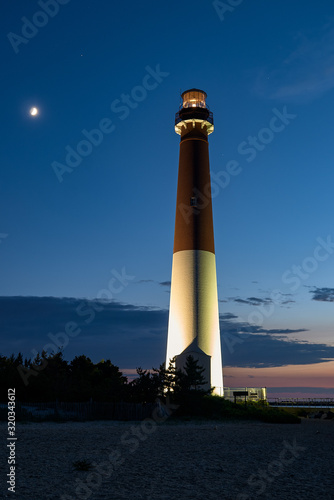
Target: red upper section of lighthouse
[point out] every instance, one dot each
(193, 222)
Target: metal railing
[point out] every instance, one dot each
(193, 113)
(305, 402)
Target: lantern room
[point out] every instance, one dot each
(194, 98)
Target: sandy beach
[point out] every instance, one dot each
(149, 461)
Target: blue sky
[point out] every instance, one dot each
(268, 70)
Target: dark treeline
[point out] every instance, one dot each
(51, 377)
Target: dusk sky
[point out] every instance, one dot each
(88, 185)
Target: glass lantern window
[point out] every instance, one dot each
(194, 99)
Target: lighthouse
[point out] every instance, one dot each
(193, 326)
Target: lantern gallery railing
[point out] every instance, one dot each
(194, 115)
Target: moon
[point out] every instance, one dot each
(33, 111)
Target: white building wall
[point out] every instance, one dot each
(193, 311)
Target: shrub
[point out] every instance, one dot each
(195, 404)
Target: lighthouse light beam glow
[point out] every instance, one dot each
(193, 327)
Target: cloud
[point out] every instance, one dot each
(258, 351)
(323, 294)
(281, 300)
(252, 346)
(306, 73)
(161, 283)
(127, 334)
(284, 331)
(165, 283)
(254, 301)
(132, 336)
(229, 322)
(226, 316)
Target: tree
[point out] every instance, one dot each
(194, 374)
(147, 387)
(174, 381)
(49, 383)
(80, 381)
(179, 384)
(109, 384)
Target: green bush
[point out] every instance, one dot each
(196, 405)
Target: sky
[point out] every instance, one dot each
(88, 185)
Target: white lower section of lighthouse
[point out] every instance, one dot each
(193, 313)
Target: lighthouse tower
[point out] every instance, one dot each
(193, 327)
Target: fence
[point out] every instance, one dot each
(303, 402)
(92, 410)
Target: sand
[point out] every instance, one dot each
(149, 461)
